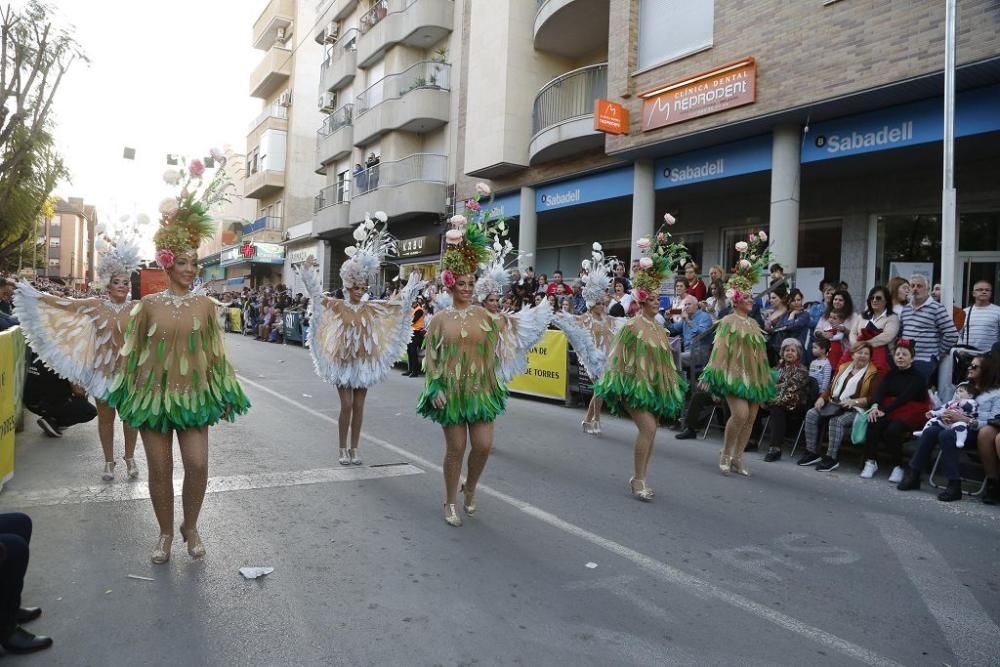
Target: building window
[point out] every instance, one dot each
(54, 243)
(54, 263)
(343, 186)
(672, 29)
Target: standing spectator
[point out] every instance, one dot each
(695, 284)
(543, 284)
(879, 326)
(818, 309)
(619, 274)
(579, 302)
(6, 296)
(529, 281)
(795, 322)
(673, 310)
(898, 408)
(716, 304)
(360, 179)
(899, 289)
(716, 273)
(693, 322)
(927, 324)
(418, 324)
(372, 166)
(556, 285)
(982, 319)
(771, 320)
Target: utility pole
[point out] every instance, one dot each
(949, 231)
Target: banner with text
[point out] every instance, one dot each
(546, 374)
(12, 374)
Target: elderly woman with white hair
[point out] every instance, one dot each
(793, 378)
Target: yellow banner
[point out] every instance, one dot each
(11, 393)
(546, 374)
(234, 319)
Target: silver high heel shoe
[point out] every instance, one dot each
(344, 459)
(131, 469)
(109, 471)
(595, 427)
(451, 516)
(469, 505)
(195, 547)
(585, 425)
(161, 552)
(355, 457)
(643, 493)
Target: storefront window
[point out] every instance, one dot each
(819, 246)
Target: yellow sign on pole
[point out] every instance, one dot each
(234, 319)
(546, 374)
(11, 392)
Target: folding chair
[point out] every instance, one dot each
(717, 409)
(975, 458)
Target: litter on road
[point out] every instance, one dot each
(255, 572)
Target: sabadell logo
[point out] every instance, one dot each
(887, 135)
(559, 198)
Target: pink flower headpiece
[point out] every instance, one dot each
(165, 258)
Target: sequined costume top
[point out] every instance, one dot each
(174, 373)
(79, 339)
(471, 354)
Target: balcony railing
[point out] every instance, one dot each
(338, 193)
(380, 10)
(428, 167)
(424, 74)
(276, 110)
(335, 121)
(569, 96)
(271, 223)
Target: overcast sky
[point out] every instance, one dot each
(164, 77)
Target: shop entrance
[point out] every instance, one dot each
(973, 267)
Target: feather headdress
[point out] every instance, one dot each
(372, 245)
(120, 252)
(755, 255)
(468, 240)
(598, 272)
(496, 277)
(185, 219)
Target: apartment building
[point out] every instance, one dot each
(235, 221)
(818, 120)
(67, 239)
(387, 90)
(280, 171)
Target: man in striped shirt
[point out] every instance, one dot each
(926, 322)
(982, 319)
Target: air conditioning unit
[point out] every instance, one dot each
(279, 37)
(331, 33)
(327, 102)
(285, 99)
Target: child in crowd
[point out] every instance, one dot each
(963, 401)
(820, 368)
(836, 340)
(278, 327)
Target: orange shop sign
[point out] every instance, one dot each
(610, 117)
(722, 88)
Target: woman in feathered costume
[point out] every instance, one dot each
(175, 376)
(738, 370)
(80, 339)
(355, 341)
(591, 333)
(640, 378)
(470, 356)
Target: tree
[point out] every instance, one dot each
(34, 57)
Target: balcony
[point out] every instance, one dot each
(341, 64)
(418, 23)
(563, 115)
(277, 16)
(331, 210)
(263, 184)
(335, 138)
(572, 28)
(341, 9)
(272, 72)
(416, 184)
(265, 223)
(416, 100)
(273, 117)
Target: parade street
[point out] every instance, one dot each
(560, 565)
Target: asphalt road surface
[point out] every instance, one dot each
(560, 566)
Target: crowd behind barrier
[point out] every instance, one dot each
(851, 377)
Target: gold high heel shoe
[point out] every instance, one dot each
(644, 493)
(131, 469)
(738, 467)
(725, 463)
(109, 471)
(451, 515)
(161, 552)
(469, 505)
(195, 547)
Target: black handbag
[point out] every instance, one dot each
(963, 354)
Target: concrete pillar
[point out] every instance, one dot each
(785, 177)
(527, 229)
(643, 203)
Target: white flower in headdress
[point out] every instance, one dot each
(381, 216)
(586, 265)
(597, 247)
(741, 246)
(350, 251)
(142, 219)
(360, 233)
(100, 245)
(598, 279)
(216, 154)
(123, 218)
(483, 189)
(168, 206)
(100, 228)
(645, 263)
(669, 219)
(459, 221)
(171, 177)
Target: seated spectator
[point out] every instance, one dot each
(543, 283)
(820, 368)
(264, 329)
(693, 417)
(15, 538)
(898, 407)
(278, 327)
(852, 387)
(673, 311)
(716, 304)
(878, 326)
(790, 402)
(984, 375)
(716, 273)
(620, 297)
(695, 285)
(57, 403)
(692, 324)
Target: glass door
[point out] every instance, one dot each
(972, 268)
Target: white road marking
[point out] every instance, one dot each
(122, 491)
(662, 571)
(973, 636)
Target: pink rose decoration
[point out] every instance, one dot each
(645, 263)
(197, 168)
(661, 237)
(644, 243)
(459, 221)
(742, 246)
(641, 295)
(762, 235)
(448, 278)
(744, 264)
(669, 219)
(472, 205)
(165, 258)
(482, 189)
(454, 236)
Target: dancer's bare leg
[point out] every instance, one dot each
(357, 415)
(481, 437)
(159, 458)
(106, 430)
(131, 438)
(346, 395)
(454, 454)
(194, 455)
(643, 451)
(594, 409)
